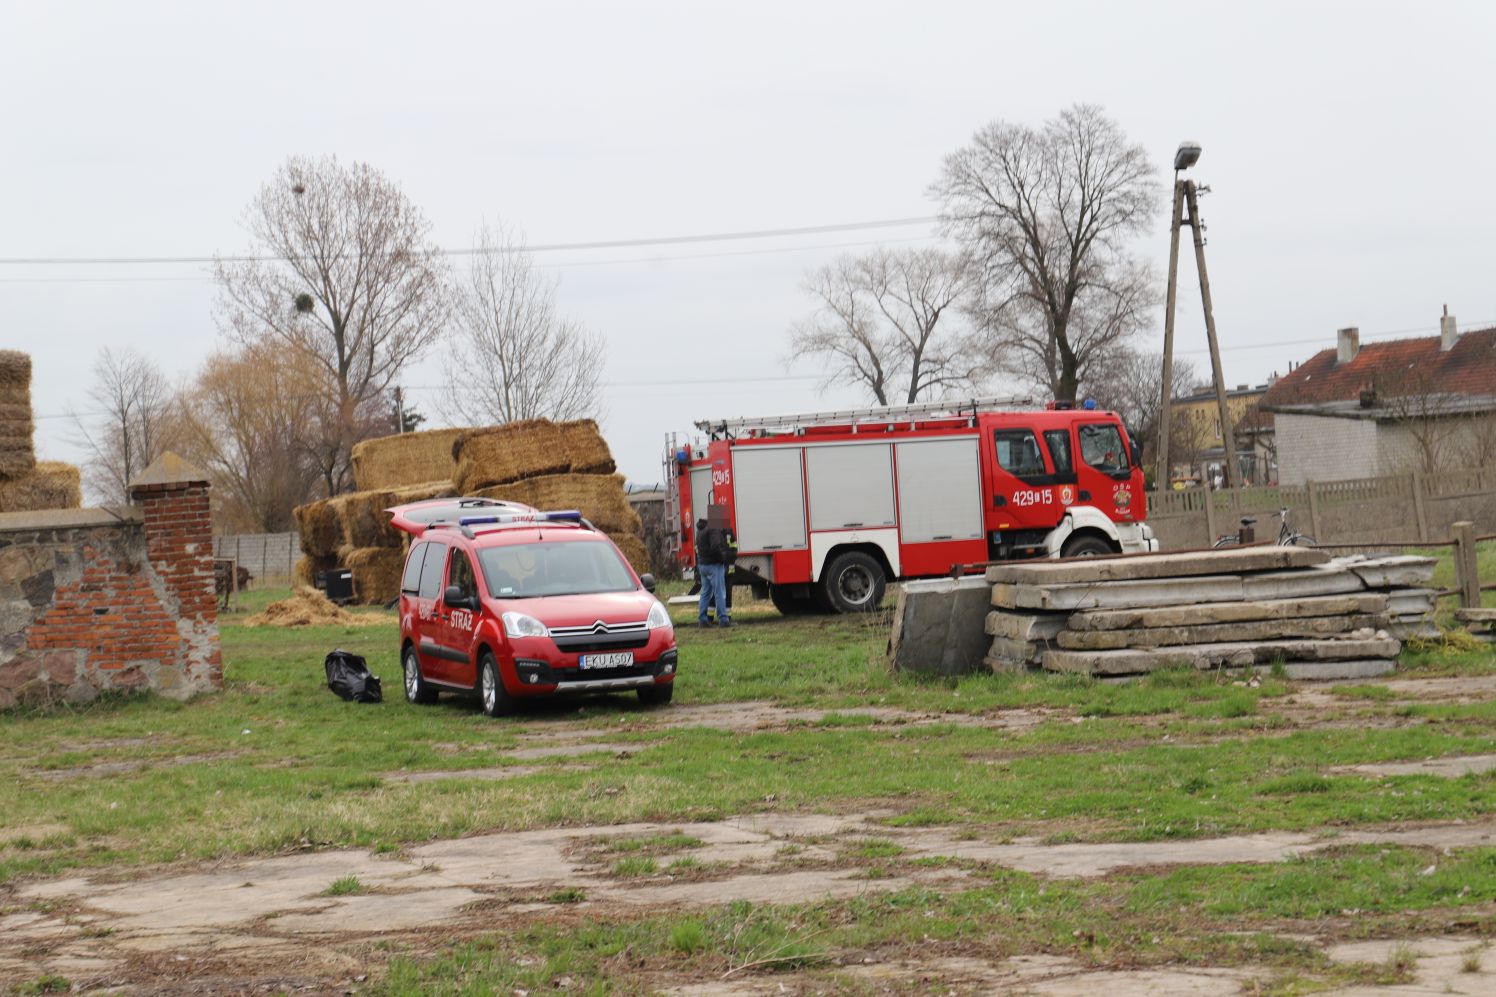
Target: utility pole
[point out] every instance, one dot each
(1228, 432)
(1163, 474)
(1185, 193)
(399, 410)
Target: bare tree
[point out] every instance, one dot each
(884, 322)
(1417, 400)
(346, 277)
(245, 420)
(516, 357)
(134, 425)
(1131, 384)
(1047, 215)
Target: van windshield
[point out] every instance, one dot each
(526, 571)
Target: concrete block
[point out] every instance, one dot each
(1391, 572)
(1025, 651)
(1116, 595)
(939, 626)
(1190, 564)
(1210, 656)
(1253, 630)
(1405, 602)
(1475, 615)
(1025, 626)
(1298, 584)
(1365, 604)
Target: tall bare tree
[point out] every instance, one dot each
(887, 322)
(1047, 215)
(516, 356)
(245, 420)
(134, 424)
(344, 275)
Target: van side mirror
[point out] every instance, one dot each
(648, 581)
(456, 598)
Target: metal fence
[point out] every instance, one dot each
(268, 557)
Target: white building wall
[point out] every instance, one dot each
(1321, 448)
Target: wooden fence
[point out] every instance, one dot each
(1401, 508)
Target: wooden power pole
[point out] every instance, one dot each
(1185, 193)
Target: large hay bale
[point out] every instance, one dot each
(376, 574)
(307, 568)
(362, 519)
(501, 455)
(52, 485)
(17, 457)
(321, 531)
(406, 459)
(632, 549)
(586, 448)
(600, 497)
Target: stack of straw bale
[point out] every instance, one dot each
(600, 497)
(25, 485)
(402, 460)
(352, 531)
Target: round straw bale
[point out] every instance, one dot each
(306, 569)
(52, 485)
(633, 550)
(405, 459)
(321, 532)
(599, 497)
(376, 574)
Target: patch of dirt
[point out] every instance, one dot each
(1451, 767)
(31, 832)
(99, 770)
(306, 608)
(278, 910)
(484, 774)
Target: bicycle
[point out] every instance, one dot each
(1287, 536)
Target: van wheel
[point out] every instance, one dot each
(416, 689)
(492, 695)
(1089, 545)
(854, 583)
(656, 695)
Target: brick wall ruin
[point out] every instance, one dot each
(98, 600)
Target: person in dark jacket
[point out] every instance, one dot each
(716, 551)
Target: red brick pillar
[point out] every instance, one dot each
(179, 545)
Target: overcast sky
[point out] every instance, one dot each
(1349, 148)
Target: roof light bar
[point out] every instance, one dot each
(561, 516)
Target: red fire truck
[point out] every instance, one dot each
(828, 507)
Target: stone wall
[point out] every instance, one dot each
(97, 600)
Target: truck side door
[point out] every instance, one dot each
(1022, 483)
(1105, 469)
(458, 624)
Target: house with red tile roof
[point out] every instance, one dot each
(1387, 407)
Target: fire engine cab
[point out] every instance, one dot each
(828, 507)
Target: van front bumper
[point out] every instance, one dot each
(537, 676)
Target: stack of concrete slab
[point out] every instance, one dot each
(1236, 608)
(1408, 582)
(1481, 623)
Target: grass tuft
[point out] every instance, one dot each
(345, 886)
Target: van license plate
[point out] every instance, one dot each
(615, 659)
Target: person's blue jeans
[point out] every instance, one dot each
(713, 591)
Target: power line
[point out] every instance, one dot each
(667, 240)
(545, 266)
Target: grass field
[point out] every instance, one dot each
(275, 764)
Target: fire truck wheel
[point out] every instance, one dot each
(788, 603)
(854, 583)
(416, 689)
(1086, 546)
(491, 692)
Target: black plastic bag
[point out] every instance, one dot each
(348, 676)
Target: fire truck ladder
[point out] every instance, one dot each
(672, 501)
(731, 428)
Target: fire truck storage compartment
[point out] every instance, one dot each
(701, 491)
(940, 489)
(850, 486)
(769, 498)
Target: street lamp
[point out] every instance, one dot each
(1187, 156)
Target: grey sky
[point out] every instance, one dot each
(1348, 147)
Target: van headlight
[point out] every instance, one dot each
(520, 625)
(659, 617)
